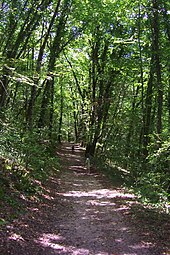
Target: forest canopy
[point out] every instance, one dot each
(94, 72)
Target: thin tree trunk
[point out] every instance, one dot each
(61, 113)
(4, 87)
(51, 109)
(147, 113)
(157, 65)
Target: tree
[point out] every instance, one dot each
(19, 32)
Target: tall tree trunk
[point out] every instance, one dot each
(61, 113)
(157, 64)
(169, 105)
(45, 103)
(51, 109)
(147, 112)
(141, 72)
(4, 87)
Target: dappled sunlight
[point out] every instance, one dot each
(16, 237)
(98, 194)
(59, 244)
(122, 208)
(51, 240)
(142, 245)
(75, 168)
(69, 156)
(34, 209)
(100, 203)
(48, 197)
(56, 242)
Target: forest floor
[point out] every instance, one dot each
(82, 213)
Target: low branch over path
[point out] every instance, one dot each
(83, 214)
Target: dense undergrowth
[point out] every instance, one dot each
(25, 159)
(149, 180)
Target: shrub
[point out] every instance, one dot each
(26, 157)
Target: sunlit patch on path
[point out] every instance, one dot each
(100, 193)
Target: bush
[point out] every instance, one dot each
(154, 183)
(26, 157)
(160, 159)
(151, 187)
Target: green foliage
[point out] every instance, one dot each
(109, 169)
(160, 159)
(26, 157)
(151, 188)
(153, 183)
(38, 154)
(3, 222)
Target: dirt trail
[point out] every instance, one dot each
(83, 214)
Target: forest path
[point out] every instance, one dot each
(83, 214)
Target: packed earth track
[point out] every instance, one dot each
(82, 213)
